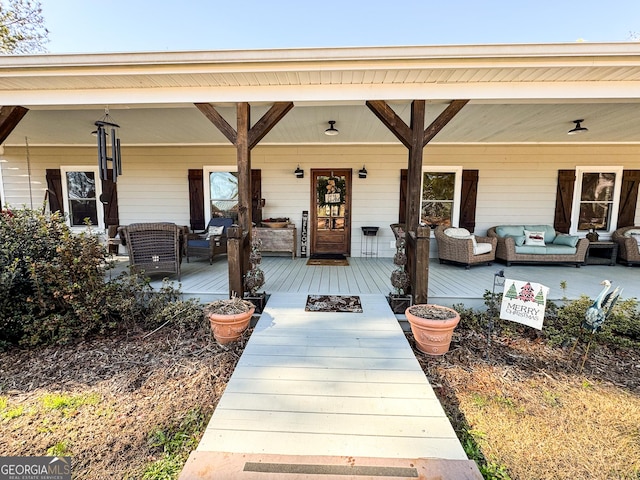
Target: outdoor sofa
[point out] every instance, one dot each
(458, 245)
(628, 240)
(532, 244)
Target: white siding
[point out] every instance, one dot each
(517, 182)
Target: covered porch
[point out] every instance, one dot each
(448, 284)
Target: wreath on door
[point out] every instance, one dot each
(331, 190)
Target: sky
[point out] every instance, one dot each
(92, 26)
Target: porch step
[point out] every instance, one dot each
(246, 466)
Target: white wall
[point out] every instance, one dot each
(517, 182)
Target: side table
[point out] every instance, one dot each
(602, 253)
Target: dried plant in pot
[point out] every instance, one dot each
(229, 318)
(254, 278)
(432, 327)
(400, 300)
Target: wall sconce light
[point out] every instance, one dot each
(331, 130)
(362, 173)
(299, 172)
(578, 128)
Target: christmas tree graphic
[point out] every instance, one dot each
(511, 293)
(526, 294)
(540, 297)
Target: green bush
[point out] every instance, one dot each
(53, 287)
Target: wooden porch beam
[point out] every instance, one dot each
(269, 120)
(9, 118)
(445, 117)
(391, 120)
(244, 138)
(214, 117)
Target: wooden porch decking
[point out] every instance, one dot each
(448, 284)
(319, 393)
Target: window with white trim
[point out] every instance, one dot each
(81, 189)
(440, 200)
(596, 199)
(221, 194)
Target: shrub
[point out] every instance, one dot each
(53, 288)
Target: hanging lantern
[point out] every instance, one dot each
(108, 147)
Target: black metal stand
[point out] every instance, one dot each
(498, 281)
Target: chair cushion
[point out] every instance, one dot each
(633, 233)
(457, 232)
(199, 243)
(221, 222)
(482, 248)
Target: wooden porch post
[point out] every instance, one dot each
(244, 139)
(415, 138)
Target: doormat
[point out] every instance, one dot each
(328, 259)
(333, 303)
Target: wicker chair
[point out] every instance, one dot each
(628, 248)
(462, 250)
(205, 243)
(153, 247)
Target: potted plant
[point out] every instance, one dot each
(400, 300)
(254, 278)
(432, 327)
(229, 318)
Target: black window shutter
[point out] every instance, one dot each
(628, 198)
(468, 199)
(54, 190)
(564, 199)
(196, 200)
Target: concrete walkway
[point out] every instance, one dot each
(315, 386)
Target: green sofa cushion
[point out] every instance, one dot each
(566, 240)
(512, 230)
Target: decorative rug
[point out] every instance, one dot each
(333, 303)
(328, 259)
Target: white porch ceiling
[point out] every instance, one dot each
(476, 123)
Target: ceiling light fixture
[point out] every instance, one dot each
(331, 130)
(299, 172)
(578, 128)
(362, 173)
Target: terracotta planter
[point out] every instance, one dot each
(433, 335)
(227, 328)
